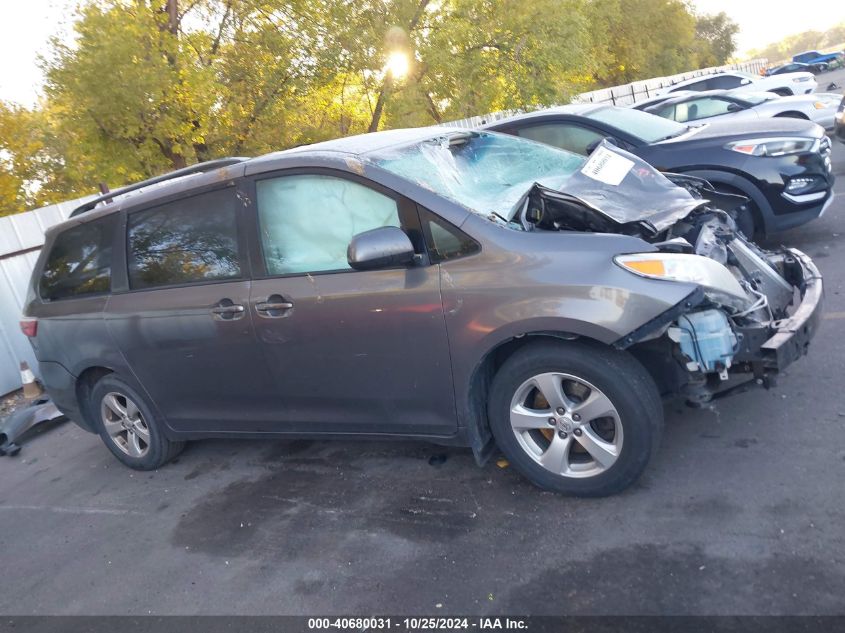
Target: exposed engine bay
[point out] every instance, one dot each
(731, 323)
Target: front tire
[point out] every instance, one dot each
(747, 217)
(575, 417)
(127, 426)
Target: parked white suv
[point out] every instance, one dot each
(785, 85)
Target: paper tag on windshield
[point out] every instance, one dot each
(607, 167)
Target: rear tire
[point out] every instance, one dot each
(127, 426)
(597, 453)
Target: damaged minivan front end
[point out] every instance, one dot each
(753, 312)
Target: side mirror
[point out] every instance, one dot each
(734, 107)
(744, 82)
(383, 247)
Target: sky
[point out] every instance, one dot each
(26, 26)
(762, 22)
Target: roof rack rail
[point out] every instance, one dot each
(185, 171)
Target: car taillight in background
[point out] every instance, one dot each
(29, 327)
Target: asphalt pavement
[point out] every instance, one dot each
(741, 512)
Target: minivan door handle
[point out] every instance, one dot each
(227, 310)
(274, 307)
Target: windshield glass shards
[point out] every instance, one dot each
(496, 176)
(485, 172)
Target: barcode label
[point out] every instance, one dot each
(607, 166)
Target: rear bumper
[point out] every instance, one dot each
(60, 384)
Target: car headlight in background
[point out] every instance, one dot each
(774, 146)
(826, 101)
(799, 80)
(718, 282)
(804, 184)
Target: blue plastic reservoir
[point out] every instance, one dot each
(707, 338)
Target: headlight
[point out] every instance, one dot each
(721, 286)
(774, 146)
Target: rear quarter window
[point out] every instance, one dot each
(187, 241)
(79, 262)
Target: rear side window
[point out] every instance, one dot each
(726, 82)
(79, 263)
(192, 240)
(701, 109)
(696, 85)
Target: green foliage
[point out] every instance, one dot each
(152, 85)
(832, 38)
(715, 37)
(644, 38)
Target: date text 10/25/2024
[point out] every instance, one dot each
(421, 623)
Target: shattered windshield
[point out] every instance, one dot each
(493, 174)
(487, 173)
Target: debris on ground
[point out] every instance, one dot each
(11, 402)
(26, 416)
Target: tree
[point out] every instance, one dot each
(833, 38)
(715, 37)
(153, 85)
(643, 38)
(27, 167)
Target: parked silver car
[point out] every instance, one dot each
(460, 287)
(786, 84)
(729, 105)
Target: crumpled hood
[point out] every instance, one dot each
(623, 188)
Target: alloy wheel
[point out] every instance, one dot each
(566, 424)
(125, 424)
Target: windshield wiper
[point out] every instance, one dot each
(674, 135)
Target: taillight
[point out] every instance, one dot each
(29, 327)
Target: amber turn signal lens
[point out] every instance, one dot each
(647, 267)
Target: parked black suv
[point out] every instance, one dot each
(461, 287)
(782, 165)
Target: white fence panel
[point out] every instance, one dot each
(619, 95)
(21, 237)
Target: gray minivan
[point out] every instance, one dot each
(459, 287)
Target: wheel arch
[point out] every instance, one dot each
(477, 423)
(85, 382)
(762, 209)
(791, 114)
